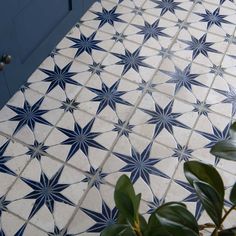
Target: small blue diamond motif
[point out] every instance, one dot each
(59, 77)
(199, 46)
(108, 16)
(86, 44)
(81, 139)
(183, 78)
(183, 153)
(46, 192)
(151, 30)
(213, 18)
(230, 97)
(29, 115)
(168, 5)
(108, 96)
(164, 118)
(131, 60)
(140, 165)
(104, 219)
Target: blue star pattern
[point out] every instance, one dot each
(164, 118)
(81, 139)
(107, 217)
(59, 77)
(46, 192)
(168, 5)
(36, 150)
(108, 16)
(57, 232)
(108, 96)
(85, 44)
(29, 115)
(183, 153)
(199, 46)
(131, 60)
(213, 18)
(140, 165)
(122, 128)
(151, 30)
(183, 78)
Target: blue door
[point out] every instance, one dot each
(30, 29)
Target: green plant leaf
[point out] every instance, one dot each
(211, 201)
(228, 232)
(126, 200)
(225, 150)
(233, 195)
(143, 223)
(197, 171)
(115, 229)
(176, 220)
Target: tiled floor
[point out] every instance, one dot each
(137, 87)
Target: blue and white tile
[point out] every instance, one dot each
(213, 19)
(145, 162)
(229, 62)
(184, 80)
(224, 3)
(200, 47)
(222, 96)
(173, 10)
(47, 196)
(12, 225)
(107, 16)
(85, 44)
(81, 140)
(59, 77)
(132, 61)
(165, 119)
(109, 97)
(150, 31)
(29, 116)
(129, 3)
(210, 129)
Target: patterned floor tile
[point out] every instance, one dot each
(47, 197)
(165, 119)
(150, 31)
(213, 19)
(60, 77)
(135, 62)
(184, 80)
(108, 17)
(210, 129)
(175, 10)
(224, 3)
(81, 140)
(30, 116)
(85, 44)
(200, 47)
(109, 97)
(146, 163)
(229, 62)
(129, 3)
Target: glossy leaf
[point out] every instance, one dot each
(177, 220)
(197, 171)
(115, 229)
(143, 223)
(233, 195)
(228, 232)
(225, 150)
(211, 201)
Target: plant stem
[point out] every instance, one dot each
(227, 213)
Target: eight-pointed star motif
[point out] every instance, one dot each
(131, 60)
(183, 78)
(46, 192)
(164, 118)
(151, 30)
(58, 232)
(59, 77)
(213, 18)
(29, 115)
(168, 5)
(140, 165)
(199, 46)
(104, 219)
(108, 16)
(81, 139)
(108, 96)
(86, 44)
(36, 150)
